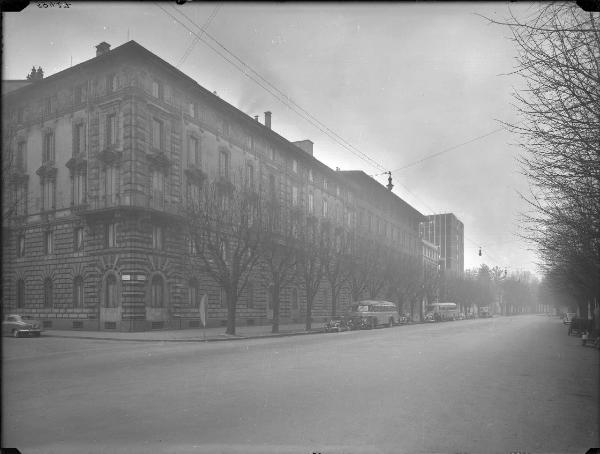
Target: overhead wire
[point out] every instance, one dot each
(292, 105)
(248, 71)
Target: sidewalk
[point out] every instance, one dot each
(190, 335)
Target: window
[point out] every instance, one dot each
(310, 175)
(294, 195)
(157, 237)
(194, 157)
(78, 292)
(271, 152)
(79, 188)
(337, 191)
(48, 105)
(157, 291)
(295, 305)
(192, 109)
(111, 130)
(311, 206)
(224, 165)
(21, 246)
(110, 291)
(157, 89)
(78, 138)
(158, 185)
(294, 166)
(20, 293)
(324, 208)
(226, 129)
(48, 292)
(48, 242)
(20, 114)
(110, 235)
(19, 197)
(48, 152)
(192, 246)
(194, 293)
(21, 163)
(111, 182)
(78, 239)
(249, 176)
(325, 184)
(48, 190)
(193, 192)
(272, 191)
(78, 95)
(111, 83)
(157, 134)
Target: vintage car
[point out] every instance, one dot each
(336, 324)
(18, 325)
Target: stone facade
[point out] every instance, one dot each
(106, 151)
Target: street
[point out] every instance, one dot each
(473, 386)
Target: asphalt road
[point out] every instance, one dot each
(496, 385)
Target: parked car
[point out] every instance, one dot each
(336, 324)
(18, 325)
(404, 319)
(568, 318)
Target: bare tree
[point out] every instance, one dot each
(313, 258)
(226, 226)
(278, 255)
(559, 60)
(338, 245)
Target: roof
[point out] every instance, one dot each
(132, 48)
(12, 85)
(360, 178)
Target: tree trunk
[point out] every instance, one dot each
(276, 303)
(334, 297)
(231, 310)
(309, 303)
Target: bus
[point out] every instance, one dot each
(371, 313)
(441, 312)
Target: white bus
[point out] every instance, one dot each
(441, 312)
(370, 313)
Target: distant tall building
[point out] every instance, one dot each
(447, 232)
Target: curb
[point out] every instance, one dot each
(213, 339)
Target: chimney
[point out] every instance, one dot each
(102, 48)
(256, 117)
(268, 119)
(305, 145)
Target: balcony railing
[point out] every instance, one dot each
(154, 201)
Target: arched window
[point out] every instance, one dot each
(194, 293)
(110, 291)
(20, 293)
(78, 292)
(48, 292)
(157, 291)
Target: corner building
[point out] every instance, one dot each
(102, 155)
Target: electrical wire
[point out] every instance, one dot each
(274, 91)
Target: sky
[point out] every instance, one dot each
(391, 84)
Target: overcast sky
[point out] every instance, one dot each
(398, 82)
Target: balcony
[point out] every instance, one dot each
(155, 204)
